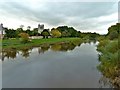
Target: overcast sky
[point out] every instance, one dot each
(83, 16)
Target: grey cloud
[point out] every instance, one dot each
(39, 15)
(55, 13)
(81, 9)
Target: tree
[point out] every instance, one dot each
(113, 31)
(35, 32)
(19, 30)
(10, 33)
(29, 32)
(24, 37)
(45, 33)
(55, 33)
(21, 26)
(29, 27)
(113, 35)
(67, 31)
(64, 34)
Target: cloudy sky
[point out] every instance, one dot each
(83, 16)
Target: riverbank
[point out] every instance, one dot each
(110, 62)
(16, 43)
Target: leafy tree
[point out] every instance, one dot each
(45, 33)
(55, 33)
(19, 30)
(29, 32)
(64, 34)
(113, 35)
(29, 27)
(113, 31)
(10, 33)
(79, 34)
(68, 31)
(35, 32)
(21, 26)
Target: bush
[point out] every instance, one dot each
(112, 47)
(113, 35)
(110, 62)
(24, 37)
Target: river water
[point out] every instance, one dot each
(52, 66)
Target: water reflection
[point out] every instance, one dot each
(56, 47)
(74, 69)
(25, 52)
(91, 41)
(43, 48)
(10, 53)
(63, 47)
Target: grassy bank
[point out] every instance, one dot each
(16, 43)
(110, 61)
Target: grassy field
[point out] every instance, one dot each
(16, 43)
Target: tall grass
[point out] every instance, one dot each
(110, 63)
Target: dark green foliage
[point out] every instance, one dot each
(35, 32)
(113, 35)
(113, 31)
(68, 31)
(65, 31)
(110, 63)
(89, 35)
(10, 33)
(45, 33)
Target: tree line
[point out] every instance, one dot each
(12, 33)
(59, 32)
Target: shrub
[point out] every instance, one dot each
(24, 37)
(112, 47)
(110, 62)
(113, 35)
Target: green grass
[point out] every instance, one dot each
(16, 43)
(110, 62)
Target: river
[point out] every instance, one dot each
(52, 66)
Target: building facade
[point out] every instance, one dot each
(40, 28)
